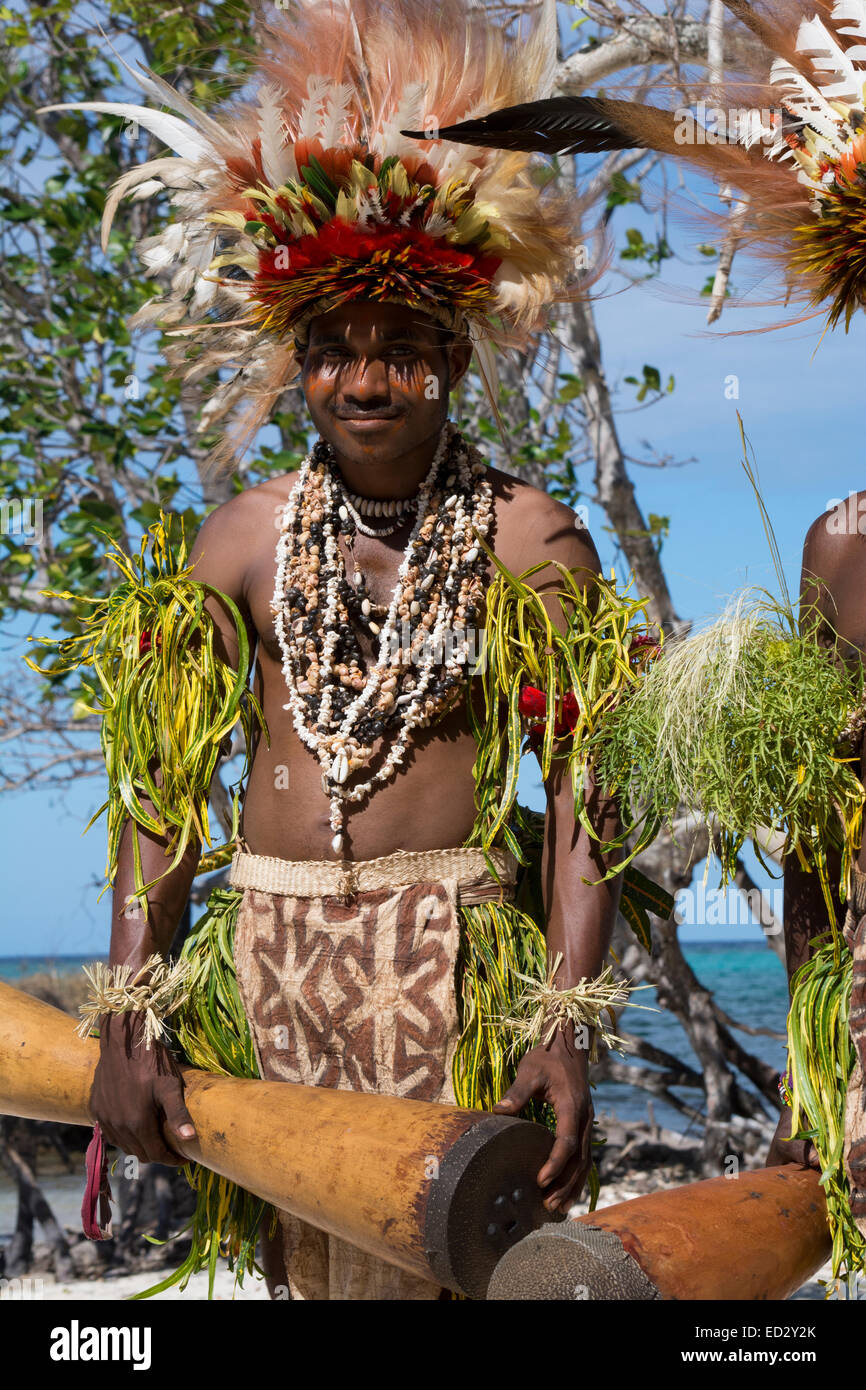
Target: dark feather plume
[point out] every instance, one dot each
(589, 125)
(557, 125)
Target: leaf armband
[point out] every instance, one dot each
(168, 701)
(549, 690)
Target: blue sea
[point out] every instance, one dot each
(747, 980)
(748, 983)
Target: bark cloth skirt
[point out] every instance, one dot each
(354, 976)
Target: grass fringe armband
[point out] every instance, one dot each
(156, 989)
(542, 1010)
(747, 723)
(168, 701)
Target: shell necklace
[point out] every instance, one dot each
(341, 710)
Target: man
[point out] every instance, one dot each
(366, 376)
(310, 238)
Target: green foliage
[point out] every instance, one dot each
(709, 285)
(821, 1058)
(742, 722)
(592, 660)
(651, 383)
(213, 1032)
(622, 191)
(657, 530)
(651, 253)
(497, 944)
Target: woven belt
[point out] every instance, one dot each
(314, 878)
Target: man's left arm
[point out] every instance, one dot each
(580, 915)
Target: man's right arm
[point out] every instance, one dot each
(137, 1095)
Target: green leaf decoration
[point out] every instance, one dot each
(167, 701)
(213, 1032)
(592, 660)
(315, 176)
(821, 1058)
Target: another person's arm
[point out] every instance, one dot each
(831, 600)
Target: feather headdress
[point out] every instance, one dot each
(306, 195)
(796, 152)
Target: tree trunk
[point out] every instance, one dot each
(32, 1206)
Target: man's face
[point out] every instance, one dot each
(376, 379)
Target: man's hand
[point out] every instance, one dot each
(558, 1074)
(137, 1094)
(784, 1149)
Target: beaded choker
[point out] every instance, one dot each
(340, 709)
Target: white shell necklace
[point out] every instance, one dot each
(441, 564)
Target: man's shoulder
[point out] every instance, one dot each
(532, 526)
(836, 540)
(231, 537)
(250, 505)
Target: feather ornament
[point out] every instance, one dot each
(178, 135)
(305, 191)
(335, 117)
(798, 161)
(277, 154)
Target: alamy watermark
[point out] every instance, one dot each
(846, 515)
(21, 516)
(720, 125)
(729, 907)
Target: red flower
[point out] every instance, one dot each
(533, 702)
(643, 647)
(144, 642)
(567, 713)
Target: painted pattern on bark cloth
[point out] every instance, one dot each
(354, 997)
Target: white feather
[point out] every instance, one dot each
(489, 373)
(162, 92)
(370, 207)
(853, 12)
(335, 114)
(308, 120)
(146, 189)
(407, 115)
(438, 224)
(204, 293)
(815, 41)
(807, 102)
(156, 258)
(508, 282)
(751, 129)
(278, 157)
(549, 38)
(179, 136)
